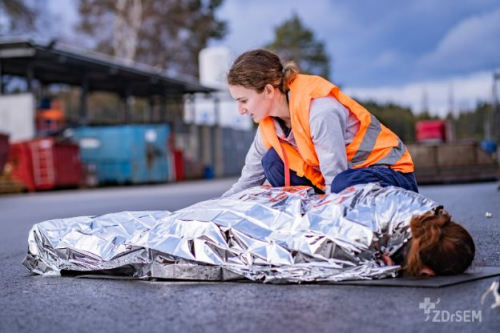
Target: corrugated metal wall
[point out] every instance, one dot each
(235, 145)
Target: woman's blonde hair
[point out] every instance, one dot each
(256, 68)
(439, 244)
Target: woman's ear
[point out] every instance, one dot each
(426, 271)
(269, 91)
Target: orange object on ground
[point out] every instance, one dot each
(50, 120)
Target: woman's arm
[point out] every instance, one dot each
(252, 173)
(328, 122)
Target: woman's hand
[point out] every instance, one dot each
(387, 260)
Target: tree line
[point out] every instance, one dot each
(467, 125)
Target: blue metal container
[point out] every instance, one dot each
(126, 154)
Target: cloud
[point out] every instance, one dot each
(386, 59)
(389, 52)
(252, 23)
(471, 45)
(466, 91)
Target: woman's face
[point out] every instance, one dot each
(257, 105)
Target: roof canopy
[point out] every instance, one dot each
(53, 63)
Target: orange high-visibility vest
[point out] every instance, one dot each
(374, 144)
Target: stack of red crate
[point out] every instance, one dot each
(44, 164)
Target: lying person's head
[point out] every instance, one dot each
(439, 246)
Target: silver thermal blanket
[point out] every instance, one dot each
(262, 234)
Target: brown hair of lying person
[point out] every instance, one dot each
(439, 246)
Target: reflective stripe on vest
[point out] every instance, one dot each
(395, 154)
(369, 140)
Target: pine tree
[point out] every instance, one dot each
(294, 41)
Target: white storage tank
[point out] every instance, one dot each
(17, 116)
(214, 65)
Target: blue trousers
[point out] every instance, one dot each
(275, 174)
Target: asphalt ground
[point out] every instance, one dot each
(63, 304)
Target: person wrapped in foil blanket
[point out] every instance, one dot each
(263, 234)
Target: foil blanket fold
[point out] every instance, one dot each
(263, 234)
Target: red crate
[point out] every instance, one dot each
(43, 164)
(20, 162)
(68, 165)
(179, 165)
(4, 150)
(431, 130)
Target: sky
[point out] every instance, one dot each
(415, 53)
